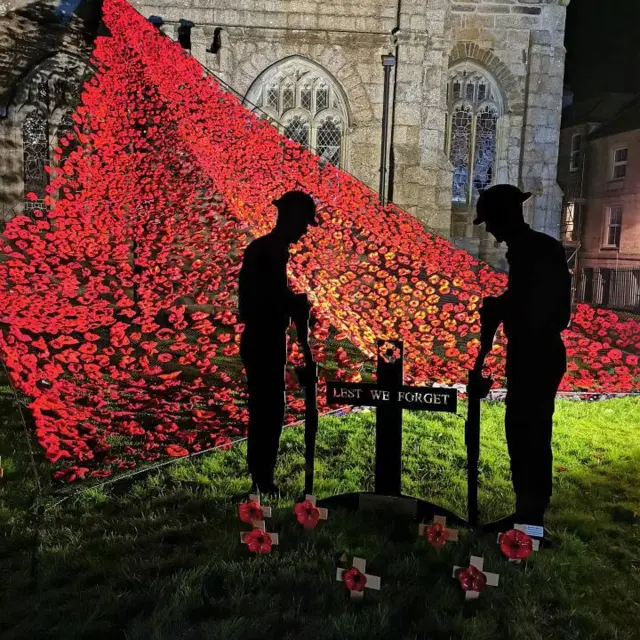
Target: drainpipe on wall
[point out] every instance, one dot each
(392, 157)
(577, 279)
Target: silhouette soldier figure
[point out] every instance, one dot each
(267, 306)
(535, 309)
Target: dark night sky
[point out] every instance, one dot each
(603, 46)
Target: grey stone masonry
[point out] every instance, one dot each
(517, 44)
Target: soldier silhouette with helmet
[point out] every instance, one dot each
(267, 306)
(534, 310)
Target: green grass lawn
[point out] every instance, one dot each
(158, 556)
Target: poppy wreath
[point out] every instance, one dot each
(120, 321)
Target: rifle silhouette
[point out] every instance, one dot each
(477, 389)
(308, 378)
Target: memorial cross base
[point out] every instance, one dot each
(390, 396)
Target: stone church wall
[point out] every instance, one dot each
(519, 44)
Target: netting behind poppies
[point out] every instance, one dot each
(120, 326)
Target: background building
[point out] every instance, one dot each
(599, 172)
(475, 99)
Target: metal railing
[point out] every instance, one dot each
(616, 289)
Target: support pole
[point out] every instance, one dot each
(388, 62)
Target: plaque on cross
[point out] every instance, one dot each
(390, 396)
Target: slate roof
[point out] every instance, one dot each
(597, 110)
(627, 120)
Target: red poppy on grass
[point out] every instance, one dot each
(436, 534)
(250, 512)
(258, 541)
(354, 579)
(307, 513)
(471, 578)
(516, 545)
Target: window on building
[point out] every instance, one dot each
(298, 130)
(576, 148)
(35, 141)
(329, 140)
(474, 106)
(304, 103)
(613, 227)
(569, 227)
(619, 163)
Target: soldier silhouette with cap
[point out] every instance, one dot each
(535, 309)
(267, 306)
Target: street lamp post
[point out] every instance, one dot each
(388, 62)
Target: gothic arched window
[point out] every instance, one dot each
(474, 106)
(304, 103)
(35, 141)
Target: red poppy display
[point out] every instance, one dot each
(120, 320)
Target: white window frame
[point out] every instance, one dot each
(621, 163)
(607, 227)
(569, 227)
(574, 162)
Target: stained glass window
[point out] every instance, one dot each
(322, 98)
(35, 141)
(306, 98)
(474, 108)
(485, 147)
(288, 99)
(460, 149)
(303, 102)
(329, 141)
(272, 98)
(298, 130)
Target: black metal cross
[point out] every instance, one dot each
(390, 396)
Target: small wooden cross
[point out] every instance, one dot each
(478, 563)
(372, 582)
(324, 513)
(450, 534)
(259, 524)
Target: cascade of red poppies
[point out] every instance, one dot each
(120, 320)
